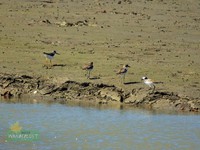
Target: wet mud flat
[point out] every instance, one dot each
(15, 86)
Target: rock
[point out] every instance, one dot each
(113, 95)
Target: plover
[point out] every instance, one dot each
(50, 56)
(149, 82)
(88, 67)
(123, 71)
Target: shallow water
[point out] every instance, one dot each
(73, 127)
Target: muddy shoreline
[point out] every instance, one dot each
(16, 86)
(158, 39)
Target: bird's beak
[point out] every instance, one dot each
(57, 53)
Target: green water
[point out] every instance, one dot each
(65, 127)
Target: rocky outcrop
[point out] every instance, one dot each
(17, 85)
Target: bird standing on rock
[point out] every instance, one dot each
(88, 67)
(149, 82)
(123, 71)
(50, 56)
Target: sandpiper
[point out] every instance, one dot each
(88, 67)
(149, 82)
(123, 71)
(50, 56)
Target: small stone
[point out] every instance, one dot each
(34, 92)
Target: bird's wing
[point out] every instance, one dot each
(85, 67)
(50, 54)
(149, 81)
(122, 70)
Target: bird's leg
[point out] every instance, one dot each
(153, 88)
(50, 63)
(46, 62)
(123, 78)
(86, 74)
(89, 74)
(120, 79)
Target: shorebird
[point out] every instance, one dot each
(88, 67)
(149, 82)
(50, 56)
(123, 71)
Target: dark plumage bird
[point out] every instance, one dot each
(50, 56)
(123, 71)
(88, 67)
